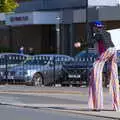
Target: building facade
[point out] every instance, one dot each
(52, 26)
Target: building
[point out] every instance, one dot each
(52, 26)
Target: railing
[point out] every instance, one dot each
(47, 70)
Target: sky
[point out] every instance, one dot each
(103, 2)
(115, 35)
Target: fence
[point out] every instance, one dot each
(47, 70)
(32, 70)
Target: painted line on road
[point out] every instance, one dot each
(53, 92)
(45, 92)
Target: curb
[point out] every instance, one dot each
(43, 91)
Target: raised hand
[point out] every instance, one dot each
(77, 44)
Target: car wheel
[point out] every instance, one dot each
(37, 79)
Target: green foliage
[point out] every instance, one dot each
(7, 5)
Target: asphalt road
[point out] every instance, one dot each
(52, 99)
(48, 98)
(19, 113)
(46, 95)
(41, 99)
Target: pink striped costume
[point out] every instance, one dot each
(95, 85)
(107, 52)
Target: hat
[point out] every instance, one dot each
(98, 24)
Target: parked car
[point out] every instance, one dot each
(8, 60)
(76, 72)
(44, 69)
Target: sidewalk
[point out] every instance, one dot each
(71, 108)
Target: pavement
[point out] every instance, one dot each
(71, 108)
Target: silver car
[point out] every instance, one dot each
(39, 69)
(8, 60)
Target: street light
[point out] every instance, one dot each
(58, 34)
(86, 38)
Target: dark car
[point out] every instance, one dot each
(76, 72)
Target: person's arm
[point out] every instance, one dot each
(79, 45)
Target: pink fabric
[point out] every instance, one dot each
(101, 47)
(95, 100)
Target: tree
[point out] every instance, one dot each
(7, 5)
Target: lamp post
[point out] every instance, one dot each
(58, 34)
(86, 38)
(86, 21)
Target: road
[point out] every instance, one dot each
(18, 113)
(43, 98)
(57, 102)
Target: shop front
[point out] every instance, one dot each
(35, 29)
(56, 31)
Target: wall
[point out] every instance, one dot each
(36, 36)
(37, 5)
